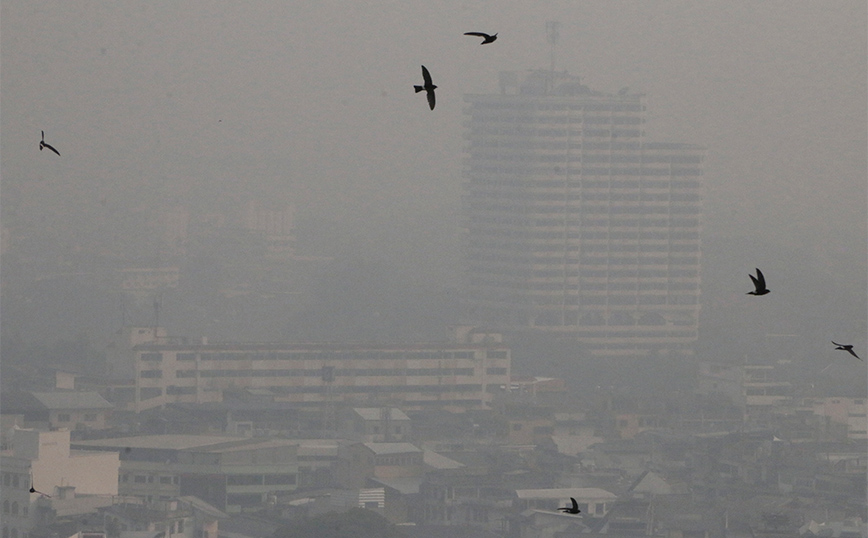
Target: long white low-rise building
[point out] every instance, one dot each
(456, 375)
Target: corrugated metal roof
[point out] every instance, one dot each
(376, 413)
(203, 506)
(437, 461)
(72, 400)
(317, 447)
(407, 485)
(166, 441)
(565, 493)
(392, 448)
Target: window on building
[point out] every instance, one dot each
(165, 480)
(140, 479)
(244, 499)
(90, 417)
(63, 417)
(280, 479)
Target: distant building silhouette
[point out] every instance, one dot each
(575, 225)
(458, 375)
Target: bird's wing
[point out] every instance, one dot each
(761, 278)
(43, 136)
(850, 350)
(575, 504)
(426, 76)
(52, 149)
(431, 99)
(836, 343)
(480, 34)
(755, 281)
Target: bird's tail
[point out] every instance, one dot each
(419, 88)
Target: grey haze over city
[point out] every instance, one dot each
(187, 132)
(159, 106)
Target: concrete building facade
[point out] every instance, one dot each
(230, 473)
(43, 461)
(575, 224)
(447, 375)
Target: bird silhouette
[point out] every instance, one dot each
(42, 144)
(429, 87)
(574, 509)
(34, 490)
(485, 37)
(759, 282)
(848, 348)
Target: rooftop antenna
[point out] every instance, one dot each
(157, 300)
(552, 36)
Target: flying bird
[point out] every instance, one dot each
(485, 37)
(759, 282)
(42, 144)
(848, 348)
(34, 490)
(574, 509)
(429, 87)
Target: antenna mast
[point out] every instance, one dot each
(552, 37)
(157, 299)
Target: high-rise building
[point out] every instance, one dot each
(575, 224)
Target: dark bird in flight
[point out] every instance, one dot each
(574, 509)
(34, 490)
(485, 37)
(429, 87)
(42, 144)
(759, 282)
(848, 348)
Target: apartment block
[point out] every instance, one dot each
(61, 478)
(449, 375)
(575, 224)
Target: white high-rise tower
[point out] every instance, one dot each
(575, 225)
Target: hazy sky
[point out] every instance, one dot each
(314, 101)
